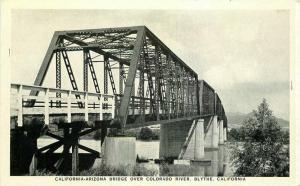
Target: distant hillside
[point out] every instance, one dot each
(236, 119)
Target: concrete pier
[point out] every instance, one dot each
(212, 135)
(199, 140)
(119, 151)
(215, 133)
(225, 134)
(195, 147)
(221, 132)
(172, 138)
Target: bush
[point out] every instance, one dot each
(140, 170)
(104, 170)
(146, 134)
(45, 173)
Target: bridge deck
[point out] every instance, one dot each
(66, 108)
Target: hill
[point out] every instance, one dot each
(235, 120)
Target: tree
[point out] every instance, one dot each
(233, 135)
(263, 152)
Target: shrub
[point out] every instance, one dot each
(146, 134)
(104, 170)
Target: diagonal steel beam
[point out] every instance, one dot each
(131, 76)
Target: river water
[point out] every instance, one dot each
(219, 159)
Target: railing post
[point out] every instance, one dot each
(20, 106)
(86, 107)
(169, 109)
(113, 107)
(101, 108)
(69, 107)
(46, 100)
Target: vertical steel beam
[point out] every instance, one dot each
(105, 76)
(188, 93)
(169, 81)
(157, 83)
(182, 91)
(58, 73)
(85, 71)
(121, 72)
(174, 88)
(199, 95)
(131, 75)
(142, 106)
(178, 88)
(215, 103)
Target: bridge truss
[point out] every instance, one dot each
(150, 83)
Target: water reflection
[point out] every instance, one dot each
(221, 157)
(217, 158)
(214, 164)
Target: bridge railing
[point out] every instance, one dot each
(58, 101)
(139, 109)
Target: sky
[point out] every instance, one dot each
(243, 54)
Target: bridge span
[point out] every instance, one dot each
(142, 82)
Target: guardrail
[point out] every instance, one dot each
(49, 103)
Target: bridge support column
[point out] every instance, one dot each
(172, 138)
(221, 132)
(215, 133)
(212, 134)
(225, 134)
(119, 151)
(199, 140)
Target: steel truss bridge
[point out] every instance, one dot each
(130, 79)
